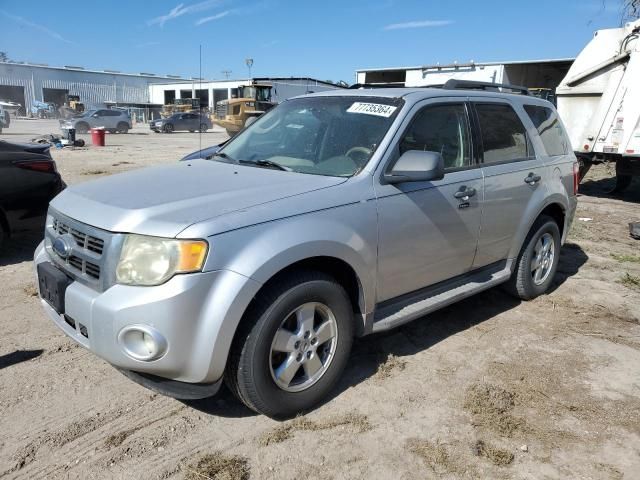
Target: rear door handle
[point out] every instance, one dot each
(464, 193)
(532, 179)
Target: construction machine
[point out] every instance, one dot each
(72, 106)
(253, 100)
(599, 102)
(180, 105)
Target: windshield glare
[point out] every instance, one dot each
(333, 136)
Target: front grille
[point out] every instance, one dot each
(88, 247)
(221, 110)
(83, 240)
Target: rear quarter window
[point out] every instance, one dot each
(549, 128)
(504, 137)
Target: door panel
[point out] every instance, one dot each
(427, 233)
(424, 235)
(511, 172)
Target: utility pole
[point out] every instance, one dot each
(226, 73)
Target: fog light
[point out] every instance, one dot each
(142, 342)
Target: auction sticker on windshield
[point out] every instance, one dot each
(377, 109)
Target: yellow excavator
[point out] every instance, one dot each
(253, 100)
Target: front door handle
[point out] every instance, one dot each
(464, 193)
(532, 178)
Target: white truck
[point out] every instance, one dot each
(599, 102)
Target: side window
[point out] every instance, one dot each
(443, 129)
(504, 138)
(551, 133)
(102, 113)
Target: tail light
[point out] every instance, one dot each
(576, 177)
(46, 166)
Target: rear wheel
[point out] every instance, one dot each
(292, 345)
(168, 128)
(538, 260)
(203, 127)
(123, 127)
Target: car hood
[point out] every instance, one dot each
(163, 201)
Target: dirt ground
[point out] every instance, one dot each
(489, 388)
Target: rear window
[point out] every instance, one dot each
(504, 137)
(546, 122)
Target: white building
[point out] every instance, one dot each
(211, 92)
(528, 73)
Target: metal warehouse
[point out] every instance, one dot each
(25, 83)
(211, 92)
(545, 74)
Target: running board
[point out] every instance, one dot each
(412, 306)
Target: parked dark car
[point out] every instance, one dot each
(29, 179)
(181, 121)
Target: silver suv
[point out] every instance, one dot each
(112, 120)
(336, 214)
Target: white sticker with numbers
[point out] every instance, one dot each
(376, 109)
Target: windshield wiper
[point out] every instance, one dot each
(267, 163)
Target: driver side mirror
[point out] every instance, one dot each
(416, 166)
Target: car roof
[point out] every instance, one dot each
(419, 93)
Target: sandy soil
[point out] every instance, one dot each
(488, 388)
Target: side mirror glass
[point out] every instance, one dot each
(416, 166)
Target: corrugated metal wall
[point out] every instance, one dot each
(94, 88)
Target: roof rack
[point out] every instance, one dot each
(357, 86)
(454, 84)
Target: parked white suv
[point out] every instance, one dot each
(112, 120)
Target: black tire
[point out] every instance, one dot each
(230, 133)
(203, 127)
(249, 369)
(82, 127)
(191, 131)
(521, 284)
(123, 127)
(167, 128)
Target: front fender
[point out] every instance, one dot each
(347, 233)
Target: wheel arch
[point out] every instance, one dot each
(556, 208)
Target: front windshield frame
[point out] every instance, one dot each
(378, 128)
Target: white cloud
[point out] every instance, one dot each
(181, 9)
(29, 23)
(213, 17)
(418, 24)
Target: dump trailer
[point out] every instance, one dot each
(599, 102)
(233, 114)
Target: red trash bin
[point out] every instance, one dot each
(97, 137)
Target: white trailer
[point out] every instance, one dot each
(599, 102)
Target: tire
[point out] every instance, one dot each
(252, 372)
(191, 131)
(82, 127)
(203, 127)
(523, 283)
(167, 128)
(230, 133)
(123, 127)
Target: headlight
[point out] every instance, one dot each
(153, 260)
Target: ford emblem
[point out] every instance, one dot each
(61, 247)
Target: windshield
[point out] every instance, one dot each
(333, 136)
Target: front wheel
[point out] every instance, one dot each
(292, 345)
(538, 260)
(168, 128)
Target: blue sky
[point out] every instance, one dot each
(326, 40)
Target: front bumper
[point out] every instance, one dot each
(197, 314)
